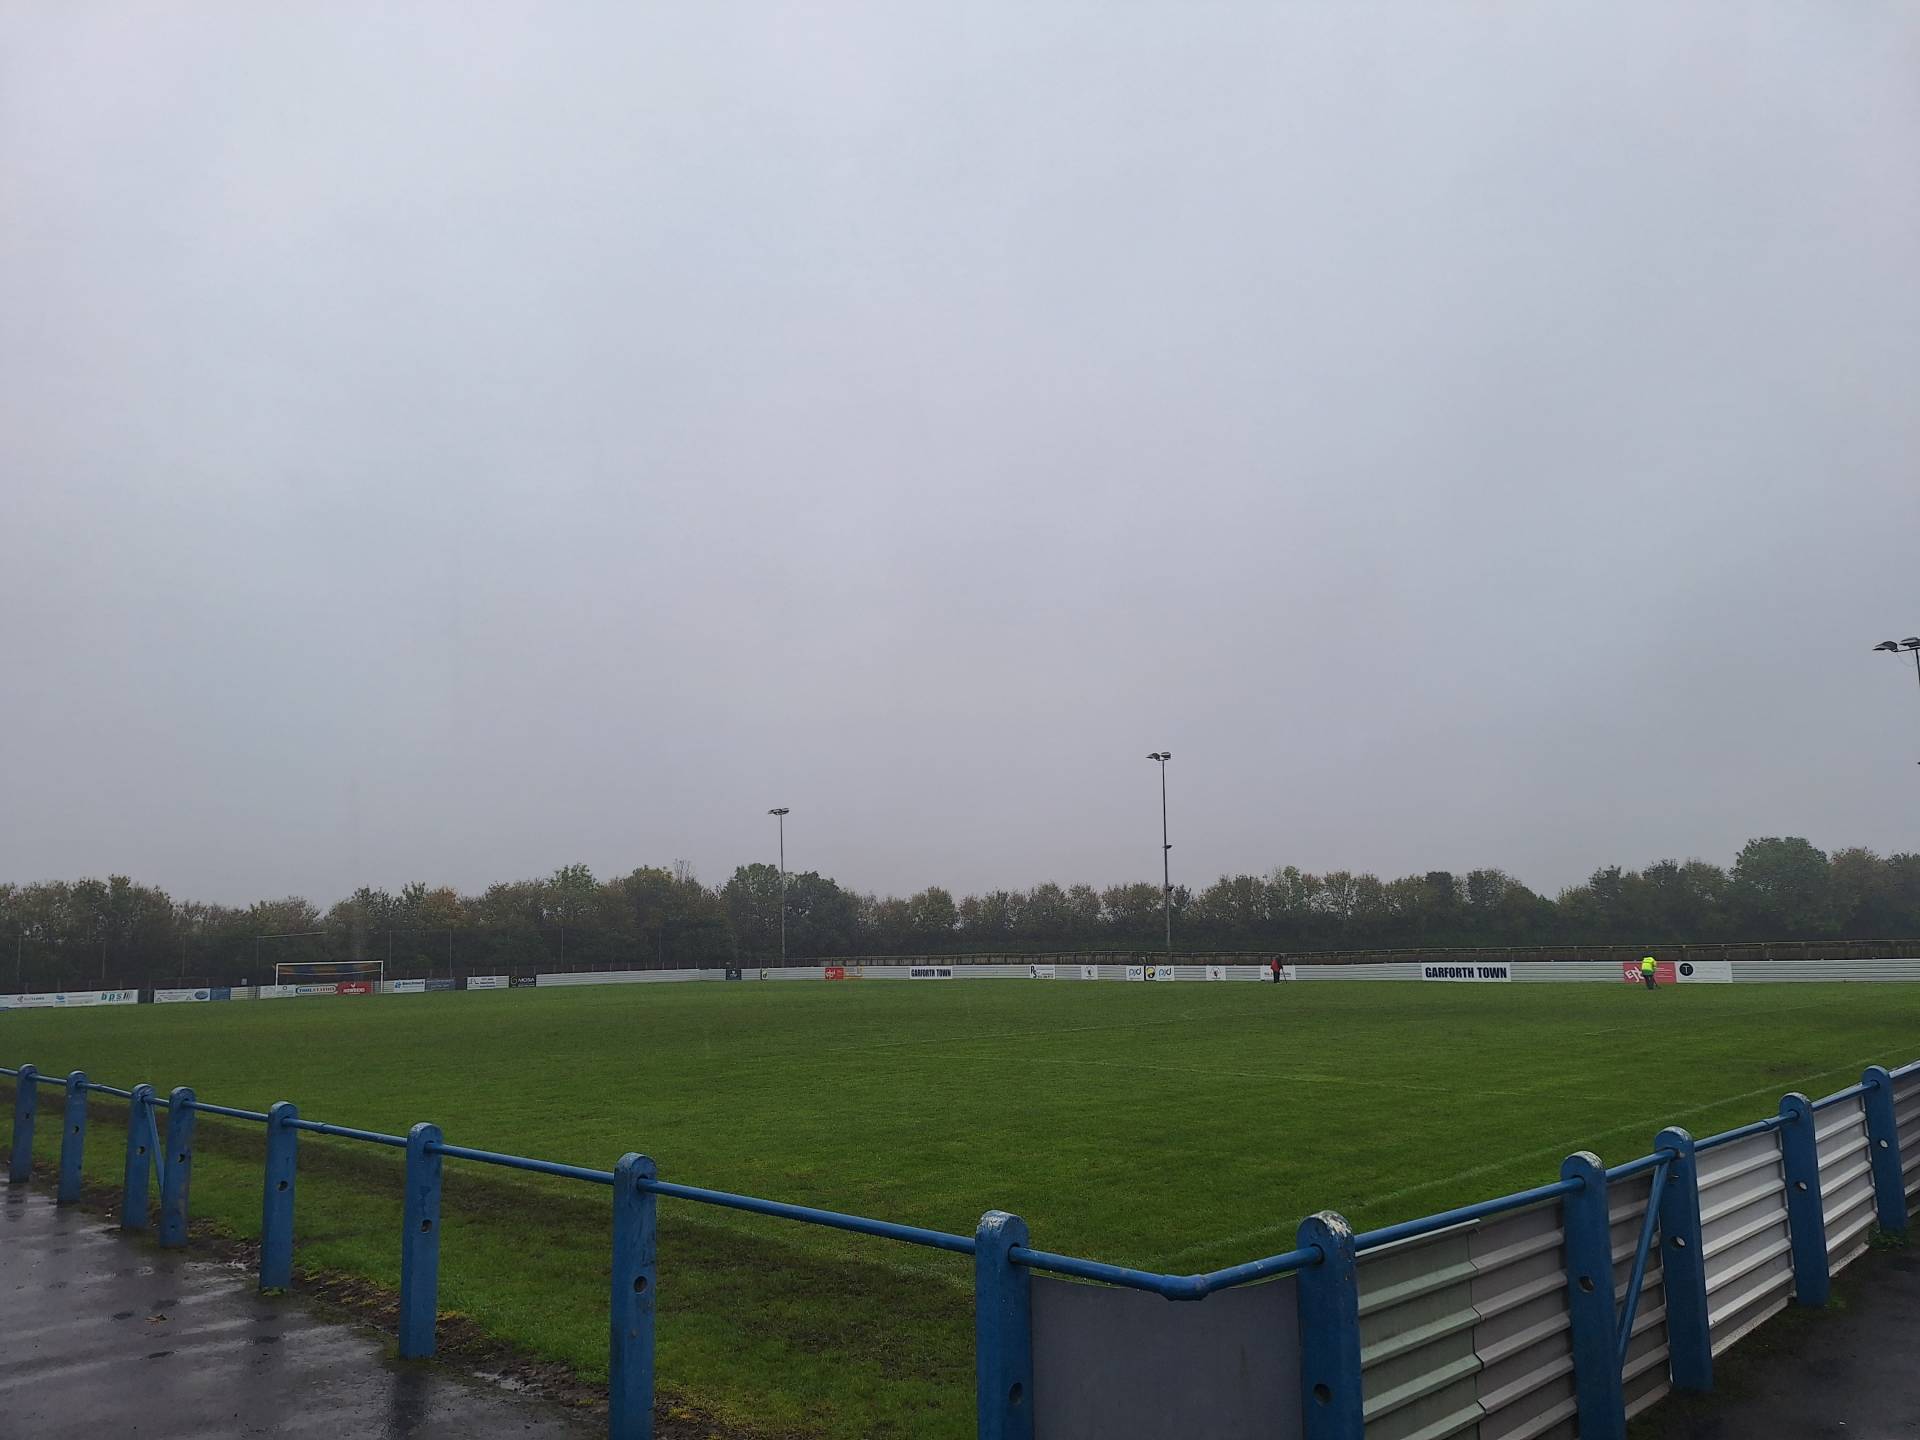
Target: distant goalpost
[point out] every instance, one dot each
(323, 972)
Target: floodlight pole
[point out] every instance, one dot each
(1166, 849)
(1910, 645)
(779, 813)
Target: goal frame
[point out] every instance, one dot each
(318, 972)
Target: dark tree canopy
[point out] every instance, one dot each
(83, 933)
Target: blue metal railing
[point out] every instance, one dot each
(1325, 1259)
(1447, 1219)
(1638, 1279)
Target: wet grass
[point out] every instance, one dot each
(1174, 1127)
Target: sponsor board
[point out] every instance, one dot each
(834, 972)
(68, 999)
(1161, 972)
(365, 987)
(444, 983)
(1475, 973)
(930, 972)
(180, 997)
(1136, 972)
(1705, 972)
(524, 982)
(1041, 972)
(291, 992)
(487, 982)
(733, 972)
(1216, 972)
(1089, 972)
(1663, 972)
(393, 987)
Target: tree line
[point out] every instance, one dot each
(115, 933)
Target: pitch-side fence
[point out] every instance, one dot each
(1558, 1311)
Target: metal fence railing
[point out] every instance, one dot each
(1558, 1310)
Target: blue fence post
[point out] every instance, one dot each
(1587, 1227)
(1883, 1143)
(276, 1201)
(630, 1359)
(178, 1171)
(133, 1191)
(73, 1139)
(420, 1244)
(1332, 1404)
(1806, 1215)
(26, 1099)
(1683, 1266)
(1002, 1330)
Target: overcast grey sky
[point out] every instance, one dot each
(451, 441)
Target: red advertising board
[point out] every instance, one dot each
(354, 987)
(836, 972)
(1662, 972)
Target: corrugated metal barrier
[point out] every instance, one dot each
(1906, 1112)
(1467, 1332)
(1743, 1224)
(1846, 1182)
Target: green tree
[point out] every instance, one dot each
(1784, 887)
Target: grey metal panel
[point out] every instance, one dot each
(1416, 1337)
(616, 977)
(1744, 1234)
(1906, 1114)
(1388, 970)
(1567, 971)
(1846, 1182)
(1112, 1364)
(1756, 972)
(1524, 1337)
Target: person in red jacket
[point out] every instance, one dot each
(1274, 966)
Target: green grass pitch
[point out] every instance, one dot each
(1172, 1127)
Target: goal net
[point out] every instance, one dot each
(329, 972)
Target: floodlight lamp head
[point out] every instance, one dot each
(779, 810)
(1912, 642)
(1888, 645)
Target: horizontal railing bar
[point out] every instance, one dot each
(1172, 1287)
(806, 1214)
(399, 1142)
(1111, 1274)
(45, 1079)
(1260, 1269)
(1850, 1093)
(110, 1090)
(229, 1111)
(5, 1070)
(1626, 1170)
(1727, 1137)
(521, 1162)
(1426, 1225)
